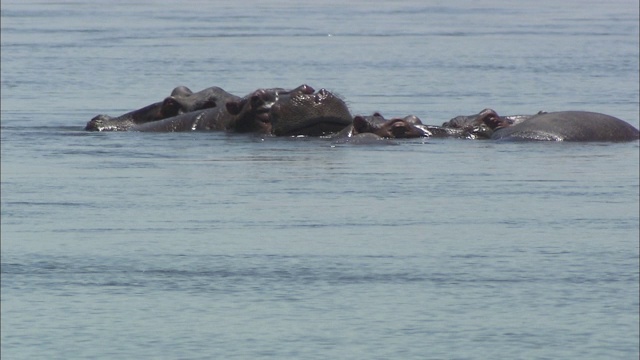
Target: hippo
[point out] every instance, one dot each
(561, 126)
(473, 126)
(261, 122)
(205, 119)
(463, 121)
(396, 128)
(182, 100)
(309, 114)
(247, 114)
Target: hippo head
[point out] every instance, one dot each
(99, 123)
(491, 118)
(398, 128)
(251, 113)
(309, 114)
(183, 100)
(477, 126)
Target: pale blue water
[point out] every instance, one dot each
(208, 245)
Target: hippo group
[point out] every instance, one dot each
(303, 111)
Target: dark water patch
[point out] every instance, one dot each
(46, 204)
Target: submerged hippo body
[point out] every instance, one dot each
(182, 100)
(208, 119)
(123, 122)
(564, 126)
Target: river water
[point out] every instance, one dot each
(213, 245)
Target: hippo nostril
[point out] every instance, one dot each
(257, 98)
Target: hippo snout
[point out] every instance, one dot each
(97, 123)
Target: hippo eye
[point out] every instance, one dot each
(210, 103)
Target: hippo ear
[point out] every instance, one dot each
(256, 100)
(181, 91)
(198, 105)
(412, 119)
(304, 89)
(360, 124)
(233, 107)
(210, 103)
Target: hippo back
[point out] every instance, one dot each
(569, 126)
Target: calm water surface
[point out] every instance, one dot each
(211, 245)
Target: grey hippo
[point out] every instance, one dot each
(560, 126)
(250, 113)
(473, 126)
(181, 100)
(309, 114)
(376, 126)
